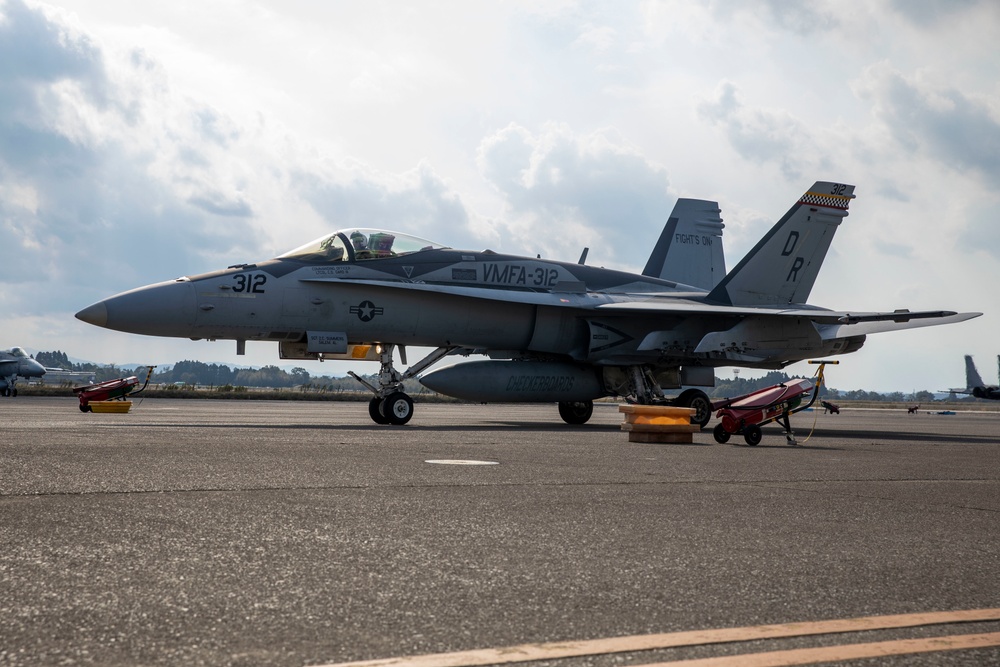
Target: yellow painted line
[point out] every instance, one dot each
(811, 656)
(572, 649)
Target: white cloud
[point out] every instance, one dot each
(591, 186)
(760, 135)
(938, 123)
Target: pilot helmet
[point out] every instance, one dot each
(359, 241)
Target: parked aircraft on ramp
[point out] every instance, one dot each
(553, 331)
(974, 383)
(13, 363)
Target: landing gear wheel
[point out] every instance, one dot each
(752, 435)
(5, 392)
(720, 434)
(697, 399)
(397, 408)
(576, 412)
(374, 411)
(13, 393)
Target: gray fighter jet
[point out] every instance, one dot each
(552, 331)
(974, 383)
(13, 363)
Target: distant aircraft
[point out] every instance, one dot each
(553, 331)
(13, 363)
(974, 384)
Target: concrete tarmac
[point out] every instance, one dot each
(203, 532)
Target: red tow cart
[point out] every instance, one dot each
(109, 390)
(744, 415)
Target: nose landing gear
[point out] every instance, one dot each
(391, 405)
(395, 409)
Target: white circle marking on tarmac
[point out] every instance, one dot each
(462, 462)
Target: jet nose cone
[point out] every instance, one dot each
(35, 368)
(163, 309)
(97, 314)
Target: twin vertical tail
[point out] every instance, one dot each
(689, 250)
(782, 268)
(972, 379)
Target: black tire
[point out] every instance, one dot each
(5, 392)
(576, 412)
(375, 411)
(397, 408)
(697, 399)
(13, 393)
(721, 435)
(753, 435)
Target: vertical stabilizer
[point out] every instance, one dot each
(689, 249)
(782, 267)
(972, 379)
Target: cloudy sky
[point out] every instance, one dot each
(144, 141)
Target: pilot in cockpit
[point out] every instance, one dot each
(359, 240)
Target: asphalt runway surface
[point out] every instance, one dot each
(204, 532)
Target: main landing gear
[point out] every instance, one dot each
(697, 399)
(576, 412)
(643, 388)
(391, 405)
(10, 389)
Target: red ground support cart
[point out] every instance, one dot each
(109, 390)
(744, 415)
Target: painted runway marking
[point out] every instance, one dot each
(572, 649)
(811, 656)
(462, 462)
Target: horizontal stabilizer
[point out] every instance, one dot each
(871, 326)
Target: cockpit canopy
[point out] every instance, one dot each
(358, 245)
(17, 352)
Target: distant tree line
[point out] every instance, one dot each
(196, 373)
(740, 386)
(199, 374)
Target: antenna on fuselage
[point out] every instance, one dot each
(583, 256)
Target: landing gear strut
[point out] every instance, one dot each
(10, 389)
(391, 405)
(646, 391)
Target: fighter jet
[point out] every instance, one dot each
(974, 384)
(552, 331)
(13, 363)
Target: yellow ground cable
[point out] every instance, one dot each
(819, 385)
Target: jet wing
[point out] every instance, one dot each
(831, 323)
(640, 305)
(880, 322)
(575, 299)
